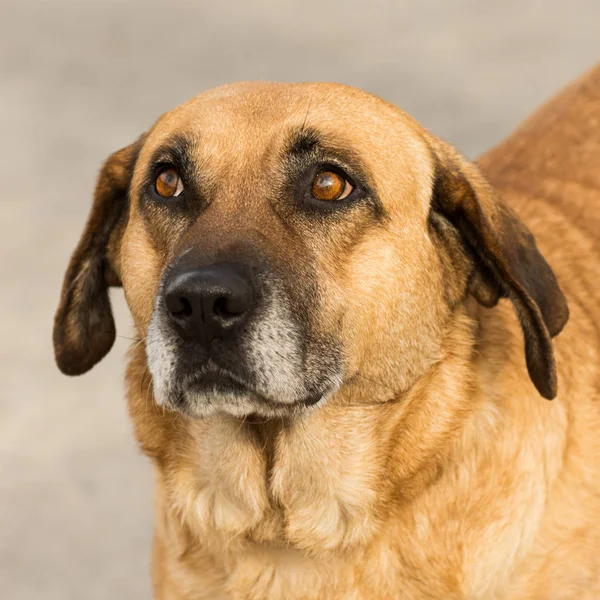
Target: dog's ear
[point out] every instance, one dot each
(84, 328)
(506, 259)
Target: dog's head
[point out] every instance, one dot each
(274, 241)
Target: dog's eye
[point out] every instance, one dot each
(329, 186)
(168, 183)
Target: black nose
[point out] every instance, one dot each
(206, 303)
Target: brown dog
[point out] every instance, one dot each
(335, 402)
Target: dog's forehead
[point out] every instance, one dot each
(273, 103)
(254, 113)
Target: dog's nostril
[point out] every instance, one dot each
(228, 307)
(220, 307)
(179, 306)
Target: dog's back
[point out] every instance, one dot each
(555, 155)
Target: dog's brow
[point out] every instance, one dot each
(307, 142)
(176, 149)
(302, 141)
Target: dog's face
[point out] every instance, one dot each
(277, 242)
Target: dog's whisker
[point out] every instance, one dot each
(136, 345)
(137, 340)
(306, 115)
(146, 394)
(380, 383)
(124, 337)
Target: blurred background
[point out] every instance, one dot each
(81, 78)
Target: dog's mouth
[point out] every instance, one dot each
(217, 381)
(214, 389)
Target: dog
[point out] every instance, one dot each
(348, 335)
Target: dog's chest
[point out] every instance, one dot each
(303, 535)
(295, 516)
(305, 490)
(314, 512)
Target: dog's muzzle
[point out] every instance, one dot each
(226, 337)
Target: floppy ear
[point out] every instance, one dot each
(84, 328)
(506, 259)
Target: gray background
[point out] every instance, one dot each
(79, 79)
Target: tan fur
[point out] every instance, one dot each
(437, 471)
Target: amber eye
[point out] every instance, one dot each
(168, 184)
(329, 186)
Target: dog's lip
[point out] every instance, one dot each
(218, 378)
(215, 377)
(222, 380)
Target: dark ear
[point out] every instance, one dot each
(506, 258)
(84, 328)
